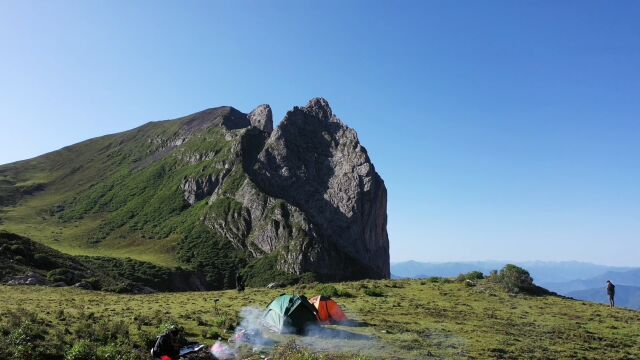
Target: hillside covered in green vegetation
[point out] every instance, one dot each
(119, 196)
(214, 192)
(394, 319)
(25, 262)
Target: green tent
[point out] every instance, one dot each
(289, 313)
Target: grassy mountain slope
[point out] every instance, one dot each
(189, 192)
(123, 195)
(22, 259)
(417, 319)
(120, 181)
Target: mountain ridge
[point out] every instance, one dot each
(629, 277)
(626, 296)
(581, 280)
(197, 191)
(544, 272)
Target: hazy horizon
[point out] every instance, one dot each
(393, 262)
(502, 130)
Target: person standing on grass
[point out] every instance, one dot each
(611, 291)
(239, 281)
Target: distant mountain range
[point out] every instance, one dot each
(626, 296)
(543, 272)
(580, 280)
(630, 278)
(593, 289)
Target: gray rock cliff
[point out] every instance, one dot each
(305, 192)
(316, 164)
(311, 195)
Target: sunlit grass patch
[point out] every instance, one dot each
(413, 320)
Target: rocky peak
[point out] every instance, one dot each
(316, 163)
(262, 118)
(305, 191)
(319, 107)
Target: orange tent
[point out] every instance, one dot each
(329, 312)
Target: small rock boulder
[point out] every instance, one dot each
(30, 279)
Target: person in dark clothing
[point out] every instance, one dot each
(167, 345)
(239, 282)
(611, 291)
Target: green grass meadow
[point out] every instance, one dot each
(417, 319)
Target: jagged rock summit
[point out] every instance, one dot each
(316, 163)
(217, 191)
(262, 118)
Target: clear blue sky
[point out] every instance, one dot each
(506, 130)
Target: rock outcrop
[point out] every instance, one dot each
(199, 188)
(310, 196)
(262, 118)
(315, 163)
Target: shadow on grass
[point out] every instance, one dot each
(336, 334)
(354, 323)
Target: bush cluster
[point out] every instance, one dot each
(438, 280)
(263, 271)
(514, 279)
(374, 292)
(327, 290)
(206, 253)
(470, 276)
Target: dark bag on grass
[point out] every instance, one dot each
(164, 347)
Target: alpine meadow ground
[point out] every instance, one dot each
(401, 319)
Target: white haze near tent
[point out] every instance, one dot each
(252, 328)
(317, 338)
